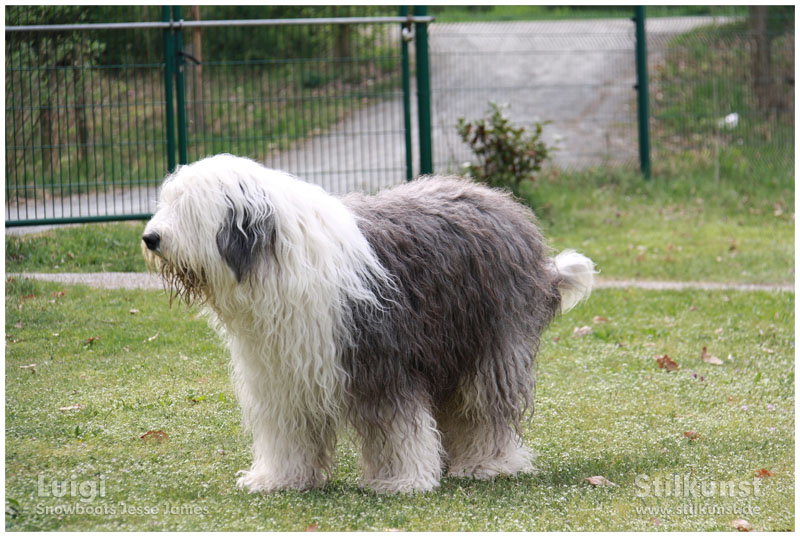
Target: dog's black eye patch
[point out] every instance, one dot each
(241, 241)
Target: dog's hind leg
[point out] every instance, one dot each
(404, 456)
(482, 449)
(479, 425)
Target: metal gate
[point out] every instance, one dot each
(90, 135)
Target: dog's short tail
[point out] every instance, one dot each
(575, 273)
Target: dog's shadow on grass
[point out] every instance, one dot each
(621, 470)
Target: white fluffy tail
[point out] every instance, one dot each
(576, 274)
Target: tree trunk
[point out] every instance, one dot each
(197, 74)
(760, 57)
(47, 118)
(80, 103)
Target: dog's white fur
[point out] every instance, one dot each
(295, 310)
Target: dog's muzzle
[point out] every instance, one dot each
(152, 241)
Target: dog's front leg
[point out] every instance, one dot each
(293, 447)
(286, 456)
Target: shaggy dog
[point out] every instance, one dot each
(413, 315)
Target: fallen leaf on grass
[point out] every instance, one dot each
(70, 408)
(741, 524)
(709, 359)
(763, 473)
(133, 311)
(599, 320)
(18, 325)
(158, 436)
(27, 297)
(582, 331)
(59, 294)
(312, 527)
(691, 435)
(665, 362)
(32, 367)
(152, 338)
(599, 481)
(91, 340)
(14, 508)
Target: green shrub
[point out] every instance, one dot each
(506, 155)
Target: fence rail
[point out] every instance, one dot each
(181, 24)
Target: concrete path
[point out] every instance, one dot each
(578, 74)
(141, 280)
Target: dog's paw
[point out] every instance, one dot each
(401, 485)
(254, 481)
(515, 462)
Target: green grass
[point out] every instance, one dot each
(682, 227)
(602, 408)
(90, 248)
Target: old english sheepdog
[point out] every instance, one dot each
(411, 317)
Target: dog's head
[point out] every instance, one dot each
(214, 226)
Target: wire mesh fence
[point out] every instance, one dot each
(722, 91)
(87, 128)
(710, 95)
(323, 102)
(84, 118)
(88, 136)
(577, 75)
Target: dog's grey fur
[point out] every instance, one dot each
(475, 288)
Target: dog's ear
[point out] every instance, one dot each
(243, 238)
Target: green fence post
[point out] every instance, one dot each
(406, 97)
(180, 89)
(169, 69)
(641, 90)
(423, 94)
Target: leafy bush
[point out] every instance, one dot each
(507, 155)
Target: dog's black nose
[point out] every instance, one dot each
(152, 240)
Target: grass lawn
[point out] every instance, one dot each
(112, 365)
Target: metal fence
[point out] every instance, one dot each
(97, 114)
(722, 89)
(580, 75)
(90, 131)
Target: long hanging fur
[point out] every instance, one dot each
(413, 315)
